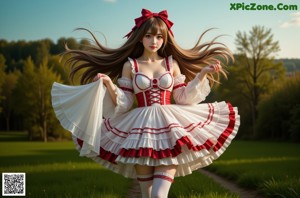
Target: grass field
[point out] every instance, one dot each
(271, 167)
(54, 169)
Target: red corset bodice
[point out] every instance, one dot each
(153, 97)
(152, 91)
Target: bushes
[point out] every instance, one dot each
(279, 113)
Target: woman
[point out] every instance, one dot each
(157, 140)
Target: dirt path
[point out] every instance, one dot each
(241, 192)
(134, 191)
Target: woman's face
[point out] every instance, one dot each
(152, 43)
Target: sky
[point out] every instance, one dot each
(39, 19)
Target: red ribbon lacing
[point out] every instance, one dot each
(154, 96)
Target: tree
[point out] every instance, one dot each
(44, 109)
(25, 96)
(257, 66)
(10, 81)
(279, 116)
(2, 74)
(34, 98)
(58, 67)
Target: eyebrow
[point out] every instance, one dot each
(151, 33)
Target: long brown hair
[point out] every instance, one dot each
(97, 58)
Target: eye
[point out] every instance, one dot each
(147, 36)
(159, 37)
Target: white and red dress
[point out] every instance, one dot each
(187, 134)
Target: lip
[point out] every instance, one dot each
(153, 47)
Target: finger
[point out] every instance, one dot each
(97, 77)
(214, 67)
(217, 67)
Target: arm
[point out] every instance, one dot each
(111, 87)
(119, 99)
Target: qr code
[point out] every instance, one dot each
(13, 184)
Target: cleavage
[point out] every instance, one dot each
(143, 82)
(154, 76)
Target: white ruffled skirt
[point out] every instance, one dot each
(189, 136)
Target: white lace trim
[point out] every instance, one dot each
(179, 79)
(125, 82)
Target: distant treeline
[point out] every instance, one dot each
(291, 65)
(16, 51)
(29, 68)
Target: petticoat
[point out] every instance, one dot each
(189, 136)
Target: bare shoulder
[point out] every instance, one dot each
(127, 70)
(176, 68)
(127, 65)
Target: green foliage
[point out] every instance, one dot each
(253, 74)
(258, 44)
(38, 65)
(59, 68)
(17, 51)
(256, 68)
(2, 74)
(280, 112)
(294, 129)
(33, 98)
(8, 88)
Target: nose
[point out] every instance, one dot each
(154, 39)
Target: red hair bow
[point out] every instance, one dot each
(147, 14)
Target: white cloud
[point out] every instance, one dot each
(110, 1)
(294, 21)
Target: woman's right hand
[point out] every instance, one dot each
(109, 85)
(106, 79)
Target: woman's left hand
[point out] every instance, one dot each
(216, 67)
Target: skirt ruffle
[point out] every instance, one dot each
(189, 136)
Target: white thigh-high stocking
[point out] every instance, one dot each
(145, 182)
(161, 184)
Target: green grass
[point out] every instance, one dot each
(55, 169)
(197, 185)
(271, 167)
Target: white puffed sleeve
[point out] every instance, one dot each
(192, 93)
(124, 96)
